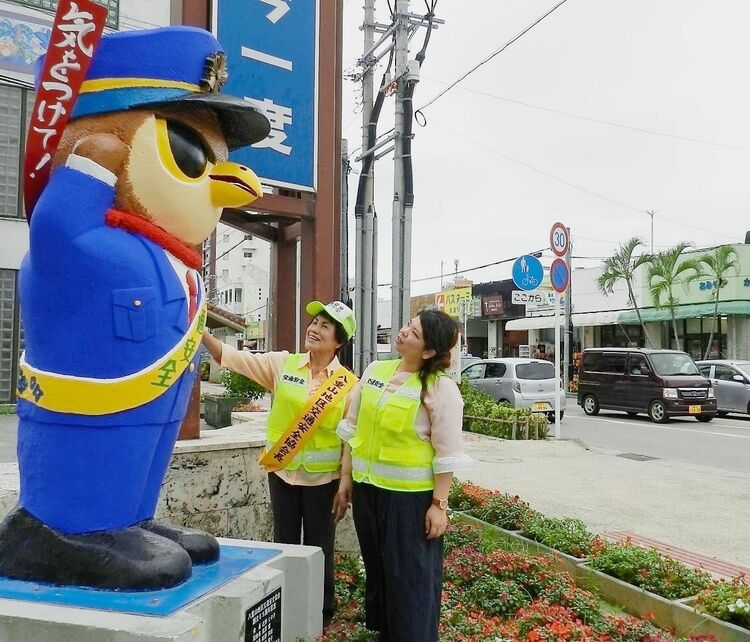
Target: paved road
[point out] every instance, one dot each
(8, 431)
(723, 443)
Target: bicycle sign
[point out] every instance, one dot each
(558, 239)
(527, 272)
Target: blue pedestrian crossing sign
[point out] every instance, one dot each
(528, 272)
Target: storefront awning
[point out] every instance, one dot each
(579, 319)
(690, 311)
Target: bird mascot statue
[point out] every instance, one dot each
(113, 309)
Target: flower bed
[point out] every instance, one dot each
(498, 596)
(485, 416)
(648, 569)
(727, 601)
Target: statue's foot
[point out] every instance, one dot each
(126, 559)
(201, 546)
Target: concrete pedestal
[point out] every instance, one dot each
(219, 616)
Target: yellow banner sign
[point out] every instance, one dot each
(449, 301)
(320, 403)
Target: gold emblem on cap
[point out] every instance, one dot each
(215, 73)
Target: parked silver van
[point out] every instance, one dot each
(731, 381)
(522, 383)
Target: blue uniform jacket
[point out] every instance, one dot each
(78, 288)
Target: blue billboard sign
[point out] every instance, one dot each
(271, 48)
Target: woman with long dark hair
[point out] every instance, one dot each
(403, 431)
(310, 396)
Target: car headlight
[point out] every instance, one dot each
(711, 394)
(670, 393)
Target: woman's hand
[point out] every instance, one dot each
(343, 499)
(213, 345)
(435, 522)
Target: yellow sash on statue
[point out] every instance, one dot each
(318, 405)
(90, 396)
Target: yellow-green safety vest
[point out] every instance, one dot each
(322, 454)
(386, 449)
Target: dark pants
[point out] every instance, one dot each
(308, 508)
(404, 570)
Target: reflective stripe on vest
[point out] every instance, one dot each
(322, 454)
(386, 449)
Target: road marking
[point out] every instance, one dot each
(652, 426)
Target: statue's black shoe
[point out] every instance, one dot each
(201, 546)
(125, 559)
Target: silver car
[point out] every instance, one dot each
(522, 383)
(731, 381)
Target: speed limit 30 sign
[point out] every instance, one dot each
(559, 240)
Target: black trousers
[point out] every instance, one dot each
(308, 508)
(404, 570)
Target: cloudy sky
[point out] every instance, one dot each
(515, 146)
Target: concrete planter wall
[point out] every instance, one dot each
(217, 409)
(215, 483)
(676, 615)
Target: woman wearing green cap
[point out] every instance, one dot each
(303, 451)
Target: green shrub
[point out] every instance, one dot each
(728, 601)
(497, 597)
(567, 535)
(485, 416)
(7, 409)
(237, 385)
(649, 569)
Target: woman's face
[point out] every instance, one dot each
(410, 343)
(321, 335)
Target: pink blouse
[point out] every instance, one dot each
(439, 419)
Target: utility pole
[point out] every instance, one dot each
(401, 219)
(366, 258)
(651, 214)
(568, 336)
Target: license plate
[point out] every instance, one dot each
(541, 406)
(694, 410)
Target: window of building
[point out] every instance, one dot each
(225, 238)
(238, 295)
(15, 111)
(11, 336)
(248, 254)
(225, 274)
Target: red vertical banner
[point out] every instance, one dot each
(76, 32)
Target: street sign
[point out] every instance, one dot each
(272, 47)
(559, 239)
(559, 275)
(522, 297)
(527, 272)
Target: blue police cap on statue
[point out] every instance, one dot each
(169, 66)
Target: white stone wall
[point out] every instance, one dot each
(217, 485)
(739, 337)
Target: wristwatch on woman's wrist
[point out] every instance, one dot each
(442, 504)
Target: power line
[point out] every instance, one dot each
(471, 269)
(577, 187)
(492, 55)
(598, 121)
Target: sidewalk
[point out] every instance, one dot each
(705, 510)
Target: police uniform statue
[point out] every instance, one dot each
(113, 311)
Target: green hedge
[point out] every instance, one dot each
(485, 416)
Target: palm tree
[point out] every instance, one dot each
(664, 273)
(718, 265)
(621, 266)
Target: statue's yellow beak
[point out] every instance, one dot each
(234, 185)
